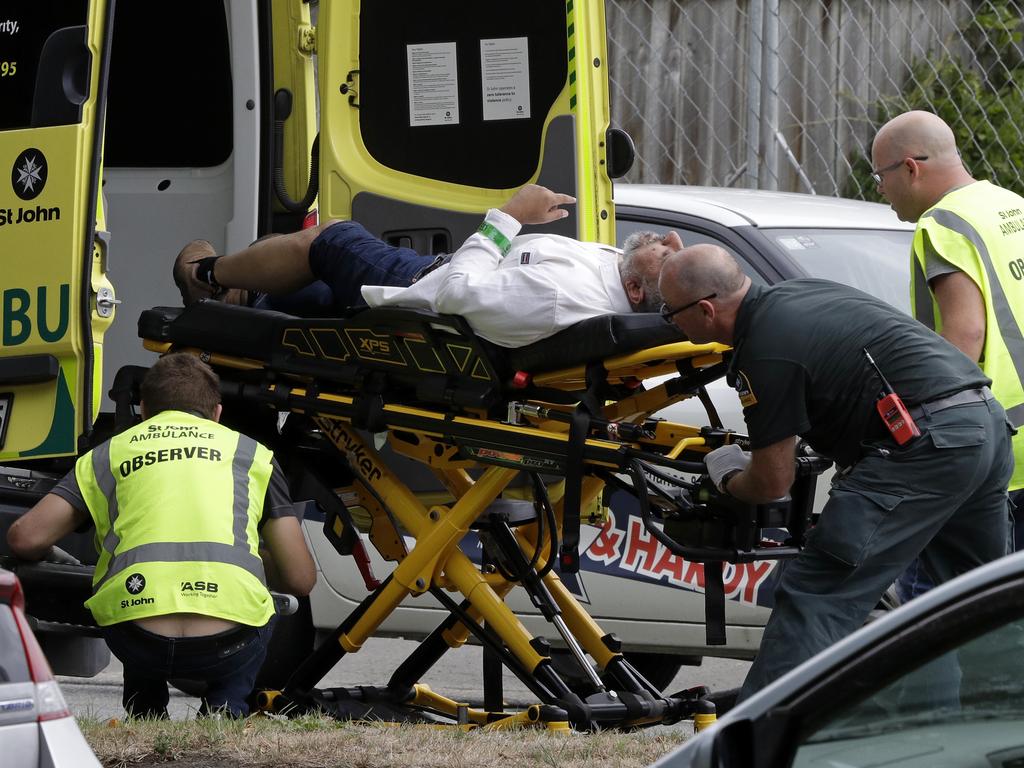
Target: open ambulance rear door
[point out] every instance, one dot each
(55, 302)
(434, 111)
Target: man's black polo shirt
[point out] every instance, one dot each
(800, 367)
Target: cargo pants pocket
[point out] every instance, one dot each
(849, 523)
(957, 435)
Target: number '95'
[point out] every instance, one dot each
(8, 68)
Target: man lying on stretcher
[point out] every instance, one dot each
(512, 290)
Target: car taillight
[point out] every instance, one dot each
(311, 219)
(50, 704)
(10, 590)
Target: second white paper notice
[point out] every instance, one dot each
(505, 78)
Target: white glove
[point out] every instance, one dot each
(60, 556)
(724, 461)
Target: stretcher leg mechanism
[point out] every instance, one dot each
(522, 444)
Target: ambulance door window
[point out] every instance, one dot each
(460, 92)
(169, 98)
(36, 39)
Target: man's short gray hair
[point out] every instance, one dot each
(630, 246)
(639, 240)
(643, 271)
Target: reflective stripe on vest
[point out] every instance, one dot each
(108, 487)
(236, 553)
(1005, 320)
(924, 311)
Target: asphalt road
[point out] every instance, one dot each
(457, 675)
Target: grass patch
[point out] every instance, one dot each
(316, 742)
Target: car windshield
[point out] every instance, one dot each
(875, 260)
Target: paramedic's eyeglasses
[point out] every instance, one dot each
(668, 314)
(876, 176)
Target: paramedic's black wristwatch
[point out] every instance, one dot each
(724, 485)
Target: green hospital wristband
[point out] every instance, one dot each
(495, 235)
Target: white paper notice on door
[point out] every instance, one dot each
(505, 77)
(433, 84)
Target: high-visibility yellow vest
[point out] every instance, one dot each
(979, 229)
(176, 502)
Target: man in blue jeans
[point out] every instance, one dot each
(179, 503)
(512, 289)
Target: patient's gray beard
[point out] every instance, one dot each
(652, 295)
(651, 302)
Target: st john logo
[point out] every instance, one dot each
(28, 176)
(135, 583)
(744, 390)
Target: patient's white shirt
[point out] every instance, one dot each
(544, 284)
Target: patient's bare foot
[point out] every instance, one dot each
(191, 287)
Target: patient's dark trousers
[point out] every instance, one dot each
(344, 258)
(942, 496)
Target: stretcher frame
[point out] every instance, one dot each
(476, 418)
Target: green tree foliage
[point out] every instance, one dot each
(977, 91)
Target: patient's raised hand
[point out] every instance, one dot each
(534, 204)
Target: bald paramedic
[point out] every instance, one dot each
(512, 289)
(967, 260)
(941, 494)
(179, 503)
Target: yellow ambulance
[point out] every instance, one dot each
(132, 127)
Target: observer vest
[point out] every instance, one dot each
(979, 229)
(176, 502)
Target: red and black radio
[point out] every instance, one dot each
(894, 413)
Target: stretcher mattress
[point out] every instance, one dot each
(407, 344)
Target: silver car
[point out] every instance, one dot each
(652, 599)
(36, 728)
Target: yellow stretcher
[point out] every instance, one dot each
(479, 417)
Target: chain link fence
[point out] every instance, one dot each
(788, 94)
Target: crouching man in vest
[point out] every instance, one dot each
(179, 503)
